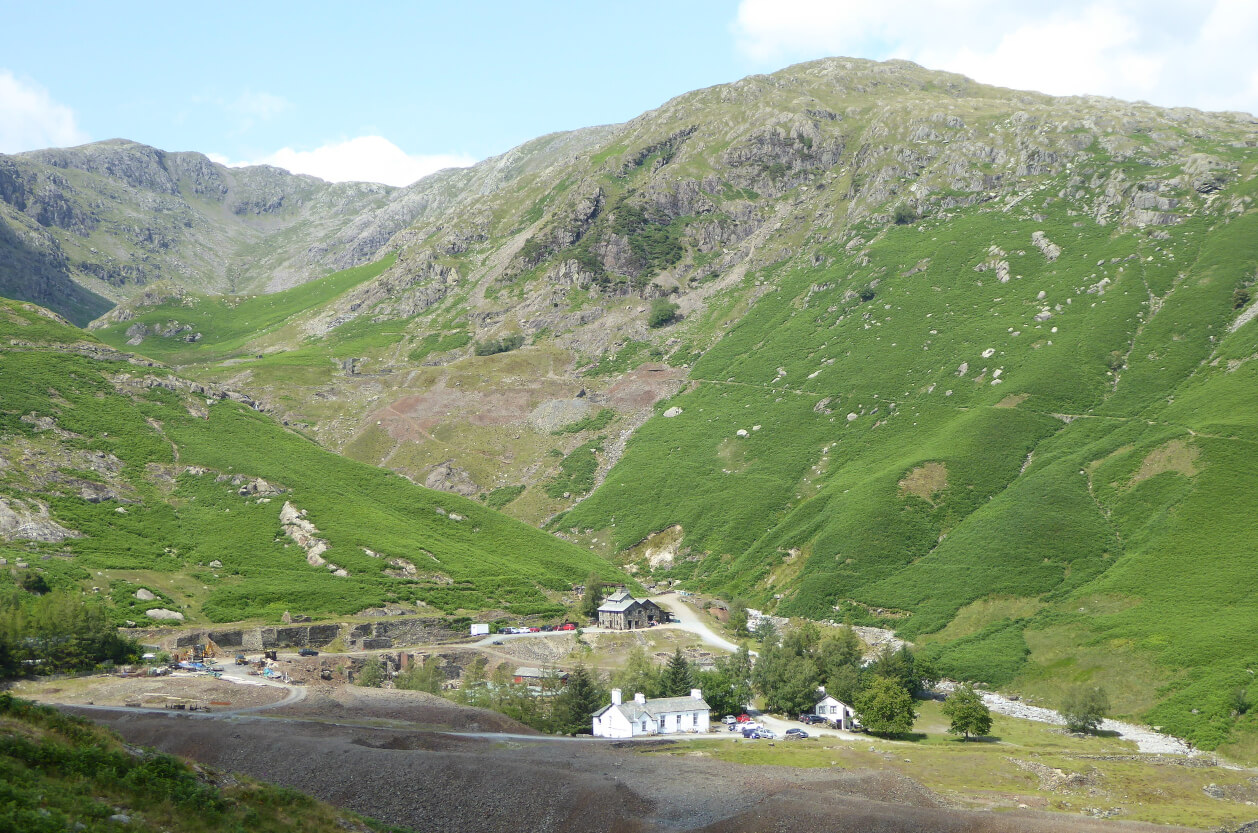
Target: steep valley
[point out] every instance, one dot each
(969, 363)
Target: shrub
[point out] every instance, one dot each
(904, 214)
(663, 312)
(506, 344)
(372, 675)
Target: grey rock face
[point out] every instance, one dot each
(29, 520)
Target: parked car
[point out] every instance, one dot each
(567, 626)
(729, 719)
(795, 733)
(534, 630)
(307, 652)
(767, 734)
(811, 719)
(744, 718)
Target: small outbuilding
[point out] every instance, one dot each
(526, 675)
(832, 709)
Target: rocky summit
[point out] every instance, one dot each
(852, 341)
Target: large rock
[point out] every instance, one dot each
(161, 613)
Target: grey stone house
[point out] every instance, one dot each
(622, 612)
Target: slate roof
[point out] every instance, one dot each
(654, 707)
(538, 673)
(617, 602)
(617, 606)
(621, 601)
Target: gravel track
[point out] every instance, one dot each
(1146, 739)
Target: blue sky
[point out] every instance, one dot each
(389, 90)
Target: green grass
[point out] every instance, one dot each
(177, 522)
(62, 773)
(228, 323)
(1041, 502)
(981, 773)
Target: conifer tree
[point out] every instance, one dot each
(678, 679)
(576, 704)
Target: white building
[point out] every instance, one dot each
(832, 709)
(656, 716)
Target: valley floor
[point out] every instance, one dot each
(417, 760)
(441, 781)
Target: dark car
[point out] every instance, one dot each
(307, 652)
(796, 733)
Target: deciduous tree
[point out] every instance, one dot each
(967, 713)
(1084, 708)
(885, 708)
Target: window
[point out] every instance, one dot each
(661, 724)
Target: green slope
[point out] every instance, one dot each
(225, 324)
(62, 773)
(149, 470)
(1076, 504)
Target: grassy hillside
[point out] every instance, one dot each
(62, 773)
(225, 324)
(134, 478)
(1043, 478)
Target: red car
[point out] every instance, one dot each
(744, 718)
(566, 626)
(535, 630)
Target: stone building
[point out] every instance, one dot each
(622, 612)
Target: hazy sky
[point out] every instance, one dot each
(390, 91)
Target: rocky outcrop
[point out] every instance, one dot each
(29, 520)
(305, 535)
(448, 477)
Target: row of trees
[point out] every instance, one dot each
(792, 668)
(52, 632)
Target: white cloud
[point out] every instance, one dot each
(30, 119)
(362, 159)
(259, 105)
(1169, 52)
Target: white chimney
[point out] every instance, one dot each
(696, 693)
(615, 697)
(639, 698)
